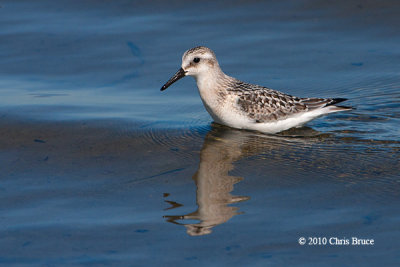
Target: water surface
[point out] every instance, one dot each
(98, 167)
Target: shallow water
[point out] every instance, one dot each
(99, 167)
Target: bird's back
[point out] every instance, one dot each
(262, 105)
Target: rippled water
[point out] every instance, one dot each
(99, 167)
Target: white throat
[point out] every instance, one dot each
(211, 87)
(210, 80)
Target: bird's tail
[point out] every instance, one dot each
(329, 103)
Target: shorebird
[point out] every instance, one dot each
(248, 106)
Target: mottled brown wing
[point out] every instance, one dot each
(263, 104)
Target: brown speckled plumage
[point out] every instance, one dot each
(263, 104)
(201, 50)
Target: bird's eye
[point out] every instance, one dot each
(196, 60)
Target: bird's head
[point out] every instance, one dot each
(196, 62)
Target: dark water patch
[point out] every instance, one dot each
(165, 173)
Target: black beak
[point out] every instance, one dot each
(177, 76)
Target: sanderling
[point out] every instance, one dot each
(247, 106)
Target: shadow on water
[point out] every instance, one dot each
(222, 147)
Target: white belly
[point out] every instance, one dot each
(228, 115)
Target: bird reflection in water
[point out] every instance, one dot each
(222, 147)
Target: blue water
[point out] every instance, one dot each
(98, 167)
